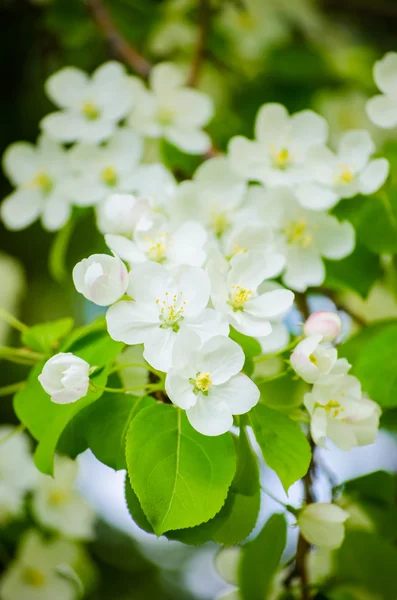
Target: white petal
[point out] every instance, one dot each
(193, 108)
(316, 197)
(194, 285)
(63, 126)
(130, 322)
(304, 268)
(337, 240)
(382, 110)
(271, 119)
(374, 175)
(158, 349)
(239, 393)
(270, 304)
(355, 148)
(20, 162)
(207, 324)
(165, 77)
(209, 417)
(101, 278)
(385, 73)
(150, 281)
(56, 213)
(179, 390)
(67, 87)
(308, 129)
(124, 248)
(248, 159)
(221, 357)
(190, 140)
(249, 325)
(22, 208)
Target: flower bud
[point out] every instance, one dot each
(65, 377)
(322, 524)
(325, 323)
(120, 213)
(101, 278)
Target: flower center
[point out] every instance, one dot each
(157, 249)
(33, 577)
(344, 175)
(219, 222)
(239, 297)
(296, 233)
(109, 176)
(171, 311)
(202, 383)
(58, 497)
(90, 111)
(165, 116)
(333, 408)
(43, 181)
(313, 360)
(281, 158)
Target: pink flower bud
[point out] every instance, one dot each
(326, 323)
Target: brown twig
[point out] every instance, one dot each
(120, 46)
(204, 24)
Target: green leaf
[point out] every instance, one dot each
(377, 222)
(134, 508)
(240, 520)
(367, 560)
(283, 394)
(376, 367)
(283, 444)
(357, 272)
(102, 427)
(260, 559)
(352, 348)
(251, 348)
(181, 477)
(45, 337)
(379, 487)
(246, 479)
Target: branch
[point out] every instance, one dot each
(204, 24)
(120, 46)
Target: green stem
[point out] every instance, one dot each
(59, 249)
(272, 378)
(149, 388)
(12, 433)
(12, 321)
(288, 507)
(7, 390)
(22, 353)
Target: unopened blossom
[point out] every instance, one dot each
(278, 154)
(213, 197)
(171, 110)
(303, 236)
(101, 278)
(340, 413)
(34, 573)
(311, 359)
(235, 293)
(343, 174)
(155, 239)
(322, 524)
(324, 322)
(103, 170)
(90, 107)
(65, 377)
(205, 380)
(58, 506)
(163, 306)
(120, 213)
(40, 175)
(382, 109)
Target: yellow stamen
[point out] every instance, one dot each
(43, 181)
(345, 175)
(219, 222)
(90, 111)
(333, 408)
(109, 176)
(57, 497)
(165, 116)
(203, 382)
(239, 297)
(296, 233)
(33, 577)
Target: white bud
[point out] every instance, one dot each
(120, 213)
(65, 377)
(101, 278)
(322, 524)
(326, 323)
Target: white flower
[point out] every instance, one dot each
(171, 110)
(278, 155)
(34, 574)
(163, 306)
(326, 323)
(90, 107)
(205, 380)
(322, 524)
(311, 359)
(247, 236)
(382, 109)
(120, 213)
(338, 411)
(59, 507)
(156, 183)
(303, 236)
(154, 239)
(101, 278)
(344, 174)
(65, 377)
(236, 292)
(213, 197)
(103, 170)
(40, 175)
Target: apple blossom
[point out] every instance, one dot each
(40, 174)
(163, 306)
(171, 110)
(235, 293)
(90, 107)
(101, 278)
(340, 412)
(65, 377)
(311, 359)
(156, 183)
(120, 213)
(154, 239)
(326, 323)
(59, 507)
(322, 524)
(205, 380)
(382, 109)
